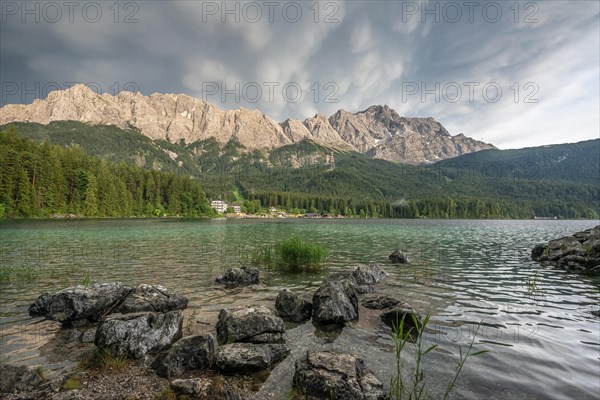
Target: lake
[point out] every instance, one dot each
(536, 321)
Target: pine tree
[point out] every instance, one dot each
(24, 204)
(90, 202)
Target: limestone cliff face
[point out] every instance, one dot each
(381, 133)
(377, 131)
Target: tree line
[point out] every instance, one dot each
(39, 180)
(437, 208)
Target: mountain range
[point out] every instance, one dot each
(378, 132)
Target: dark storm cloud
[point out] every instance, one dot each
(421, 58)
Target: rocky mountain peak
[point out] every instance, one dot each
(377, 131)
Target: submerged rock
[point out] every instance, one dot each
(334, 304)
(579, 252)
(79, 303)
(292, 307)
(398, 257)
(189, 353)
(368, 274)
(393, 317)
(135, 335)
(249, 357)
(324, 373)
(154, 298)
(249, 324)
(380, 302)
(239, 276)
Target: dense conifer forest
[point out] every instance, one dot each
(104, 171)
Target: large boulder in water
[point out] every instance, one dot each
(292, 307)
(398, 257)
(336, 301)
(135, 335)
(249, 357)
(92, 303)
(190, 353)
(368, 274)
(249, 324)
(79, 303)
(154, 298)
(579, 252)
(334, 304)
(239, 276)
(323, 373)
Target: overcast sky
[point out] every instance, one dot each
(448, 60)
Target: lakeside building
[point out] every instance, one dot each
(219, 205)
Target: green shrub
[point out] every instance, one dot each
(292, 254)
(296, 254)
(26, 274)
(5, 274)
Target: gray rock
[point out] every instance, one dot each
(198, 387)
(595, 313)
(349, 284)
(292, 307)
(192, 387)
(247, 323)
(563, 247)
(88, 336)
(579, 252)
(79, 302)
(398, 257)
(380, 302)
(74, 335)
(393, 317)
(368, 274)
(333, 303)
(81, 335)
(538, 251)
(360, 280)
(239, 276)
(326, 373)
(81, 305)
(189, 353)
(137, 334)
(249, 357)
(19, 378)
(154, 298)
(266, 338)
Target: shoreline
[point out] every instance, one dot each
(84, 218)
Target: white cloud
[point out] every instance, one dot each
(369, 54)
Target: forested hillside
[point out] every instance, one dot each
(39, 180)
(554, 181)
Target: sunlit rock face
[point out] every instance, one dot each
(377, 131)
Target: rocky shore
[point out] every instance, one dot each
(136, 348)
(579, 252)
